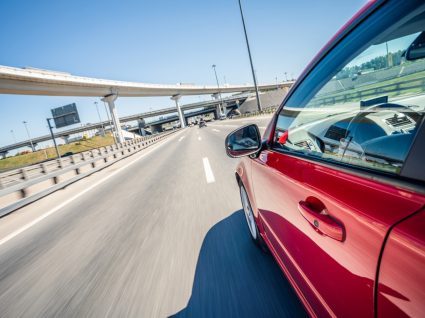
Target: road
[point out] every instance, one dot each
(158, 234)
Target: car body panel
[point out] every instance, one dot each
(328, 271)
(401, 289)
(331, 277)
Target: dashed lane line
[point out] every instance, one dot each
(209, 175)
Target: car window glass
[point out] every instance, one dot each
(368, 113)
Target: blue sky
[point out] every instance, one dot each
(156, 41)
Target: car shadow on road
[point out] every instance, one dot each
(234, 278)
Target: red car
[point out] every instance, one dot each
(335, 188)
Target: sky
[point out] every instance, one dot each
(156, 41)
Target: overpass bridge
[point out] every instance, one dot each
(207, 107)
(31, 81)
(229, 102)
(156, 126)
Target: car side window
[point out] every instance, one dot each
(367, 114)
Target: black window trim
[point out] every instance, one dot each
(414, 164)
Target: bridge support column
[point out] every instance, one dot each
(176, 98)
(219, 111)
(216, 114)
(110, 99)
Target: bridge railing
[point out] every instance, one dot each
(32, 183)
(265, 111)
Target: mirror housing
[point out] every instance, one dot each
(416, 50)
(243, 141)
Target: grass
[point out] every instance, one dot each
(20, 161)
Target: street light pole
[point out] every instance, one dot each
(110, 123)
(218, 86)
(29, 137)
(388, 55)
(13, 135)
(250, 58)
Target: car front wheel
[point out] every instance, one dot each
(250, 219)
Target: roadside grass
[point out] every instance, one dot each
(31, 158)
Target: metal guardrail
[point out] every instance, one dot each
(96, 160)
(356, 95)
(267, 110)
(13, 176)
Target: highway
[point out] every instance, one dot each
(158, 234)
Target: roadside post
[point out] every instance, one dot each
(54, 140)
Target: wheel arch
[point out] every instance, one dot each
(242, 177)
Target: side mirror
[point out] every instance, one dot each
(244, 141)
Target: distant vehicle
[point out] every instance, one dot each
(335, 188)
(222, 117)
(67, 154)
(202, 123)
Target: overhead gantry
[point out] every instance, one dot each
(30, 81)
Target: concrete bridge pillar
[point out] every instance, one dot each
(176, 98)
(219, 111)
(142, 124)
(216, 114)
(110, 99)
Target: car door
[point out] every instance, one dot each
(331, 184)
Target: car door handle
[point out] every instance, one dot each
(322, 221)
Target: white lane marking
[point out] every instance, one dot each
(199, 138)
(216, 130)
(57, 208)
(209, 175)
(181, 138)
(217, 125)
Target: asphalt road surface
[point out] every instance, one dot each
(158, 234)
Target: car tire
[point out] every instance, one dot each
(250, 219)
